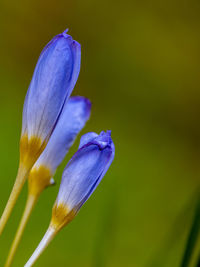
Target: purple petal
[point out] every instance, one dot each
(53, 80)
(75, 114)
(85, 170)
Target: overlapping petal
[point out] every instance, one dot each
(53, 80)
(75, 114)
(85, 170)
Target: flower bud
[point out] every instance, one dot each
(82, 175)
(53, 80)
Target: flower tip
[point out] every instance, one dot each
(65, 33)
(88, 106)
(76, 44)
(82, 99)
(83, 104)
(104, 140)
(86, 138)
(108, 132)
(69, 37)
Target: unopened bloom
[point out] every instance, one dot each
(75, 114)
(53, 80)
(82, 175)
(80, 178)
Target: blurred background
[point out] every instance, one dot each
(140, 68)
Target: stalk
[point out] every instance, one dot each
(193, 237)
(48, 237)
(19, 182)
(30, 203)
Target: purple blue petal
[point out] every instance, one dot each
(53, 80)
(74, 115)
(85, 170)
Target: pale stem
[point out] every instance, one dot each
(19, 182)
(30, 203)
(49, 235)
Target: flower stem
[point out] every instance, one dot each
(30, 203)
(19, 182)
(48, 237)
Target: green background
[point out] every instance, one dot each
(140, 68)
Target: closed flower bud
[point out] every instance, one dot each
(82, 175)
(53, 80)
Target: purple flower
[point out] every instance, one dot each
(82, 175)
(53, 80)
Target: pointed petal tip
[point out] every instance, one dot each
(69, 38)
(105, 133)
(65, 33)
(103, 140)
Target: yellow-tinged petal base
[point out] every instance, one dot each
(38, 180)
(30, 149)
(61, 216)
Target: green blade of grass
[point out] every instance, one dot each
(192, 237)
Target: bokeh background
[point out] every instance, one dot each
(140, 68)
